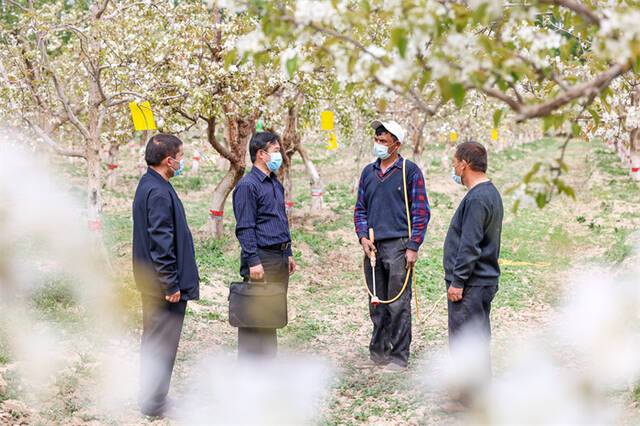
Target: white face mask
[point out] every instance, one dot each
(180, 169)
(275, 161)
(380, 151)
(457, 179)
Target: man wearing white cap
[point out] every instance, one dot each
(388, 189)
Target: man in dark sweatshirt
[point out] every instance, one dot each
(164, 267)
(472, 249)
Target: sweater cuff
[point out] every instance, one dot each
(412, 245)
(457, 284)
(362, 235)
(168, 291)
(253, 260)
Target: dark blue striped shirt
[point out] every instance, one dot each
(261, 218)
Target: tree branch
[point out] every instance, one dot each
(73, 118)
(576, 7)
(109, 102)
(18, 5)
(497, 94)
(98, 13)
(67, 152)
(412, 96)
(585, 89)
(211, 136)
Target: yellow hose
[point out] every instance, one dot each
(410, 270)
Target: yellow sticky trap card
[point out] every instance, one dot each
(494, 134)
(453, 136)
(326, 120)
(142, 116)
(333, 142)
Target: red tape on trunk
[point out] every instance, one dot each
(289, 203)
(635, 169)
(216, 213)
(112, 166)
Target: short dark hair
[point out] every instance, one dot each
(161, 146)
(381, 130)
(474, 153)
(259, 141)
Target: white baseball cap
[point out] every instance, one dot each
(392, 127)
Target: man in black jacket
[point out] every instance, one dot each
(164, 268)
(472, 249)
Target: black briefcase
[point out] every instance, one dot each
(257, 305)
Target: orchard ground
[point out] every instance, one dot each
(328, 304)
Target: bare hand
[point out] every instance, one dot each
(367, 246)
(256, 273)
(292, 265)
(454, 294)
(173, 298)
(412, 257)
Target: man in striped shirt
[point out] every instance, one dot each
(262, 229)
(381, 206)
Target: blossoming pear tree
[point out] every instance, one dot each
(65, 70)
(547, 59)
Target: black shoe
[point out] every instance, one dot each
(165, 409)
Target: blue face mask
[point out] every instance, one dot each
(457, 179)
(275, 162)
(180, 169)
(380, 151)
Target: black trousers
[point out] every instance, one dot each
(263, 342)
(471, 317)
(162, 326)
(391, 337)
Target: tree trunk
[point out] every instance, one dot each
(94, 183)
(112, 166)
(94, 121)
(360, 155)
(445, 160)
(195, 163)
(634, 154)
(141, 163)
(290, 140)
(317, 187)
(238, 132)
(220, 194)
(417, 139)
(221, 162)
(634, 142)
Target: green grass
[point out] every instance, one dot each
(303, 331)
(636, 393)
(215, 256)
(118, 230)
(315, 240)
(188, 183)
(619, 249)
(55, 301)
(340, 197)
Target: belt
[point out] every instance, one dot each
(280, 246)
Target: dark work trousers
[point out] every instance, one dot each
(263, 342)
(391, 337)
(471, 317)
(162, 325)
